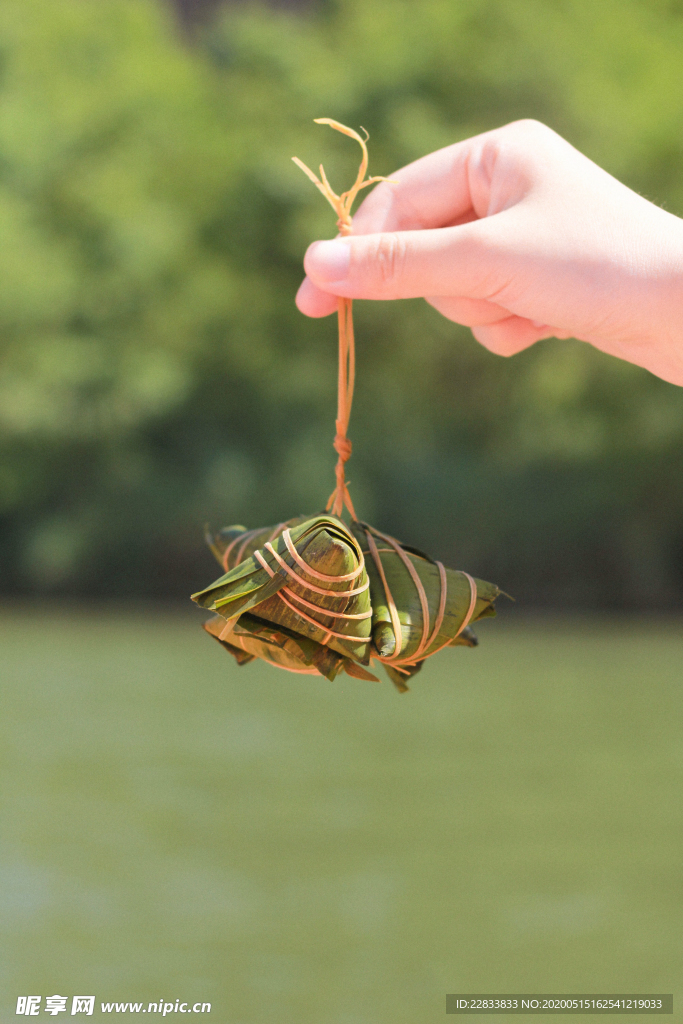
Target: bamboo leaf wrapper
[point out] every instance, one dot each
(314, 596)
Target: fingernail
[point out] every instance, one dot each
(327, 262)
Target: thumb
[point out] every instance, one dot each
(467, 260)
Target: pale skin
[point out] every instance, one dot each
(520, 237)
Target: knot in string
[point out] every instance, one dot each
(347, 371)
(343, 447)
(342, 206)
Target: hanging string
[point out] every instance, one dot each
(342, 205)
(345, 383)
(340, 498)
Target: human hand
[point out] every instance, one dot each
(517, 235)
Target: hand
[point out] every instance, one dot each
(517, 235)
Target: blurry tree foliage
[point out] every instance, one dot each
(154, 372)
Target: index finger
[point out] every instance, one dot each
(432, 192)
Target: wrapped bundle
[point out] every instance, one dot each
(269, 607)
(418, 606)
(251, 638)
(314, 596)
(234, 543)
(309, 580)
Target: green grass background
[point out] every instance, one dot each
(301, 852)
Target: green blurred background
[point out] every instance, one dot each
(154, 372)
(300, 852)
(292, 851)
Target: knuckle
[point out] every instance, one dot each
(529, 126)
(534, 136)
(390, 257)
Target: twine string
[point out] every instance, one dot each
(242, 539)
(342, 204)
(309, 586)
(427, 638)
(419, 586)
(340, 497)
(236, 639)
(391, 604)
(287, 538)
(287, 595)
